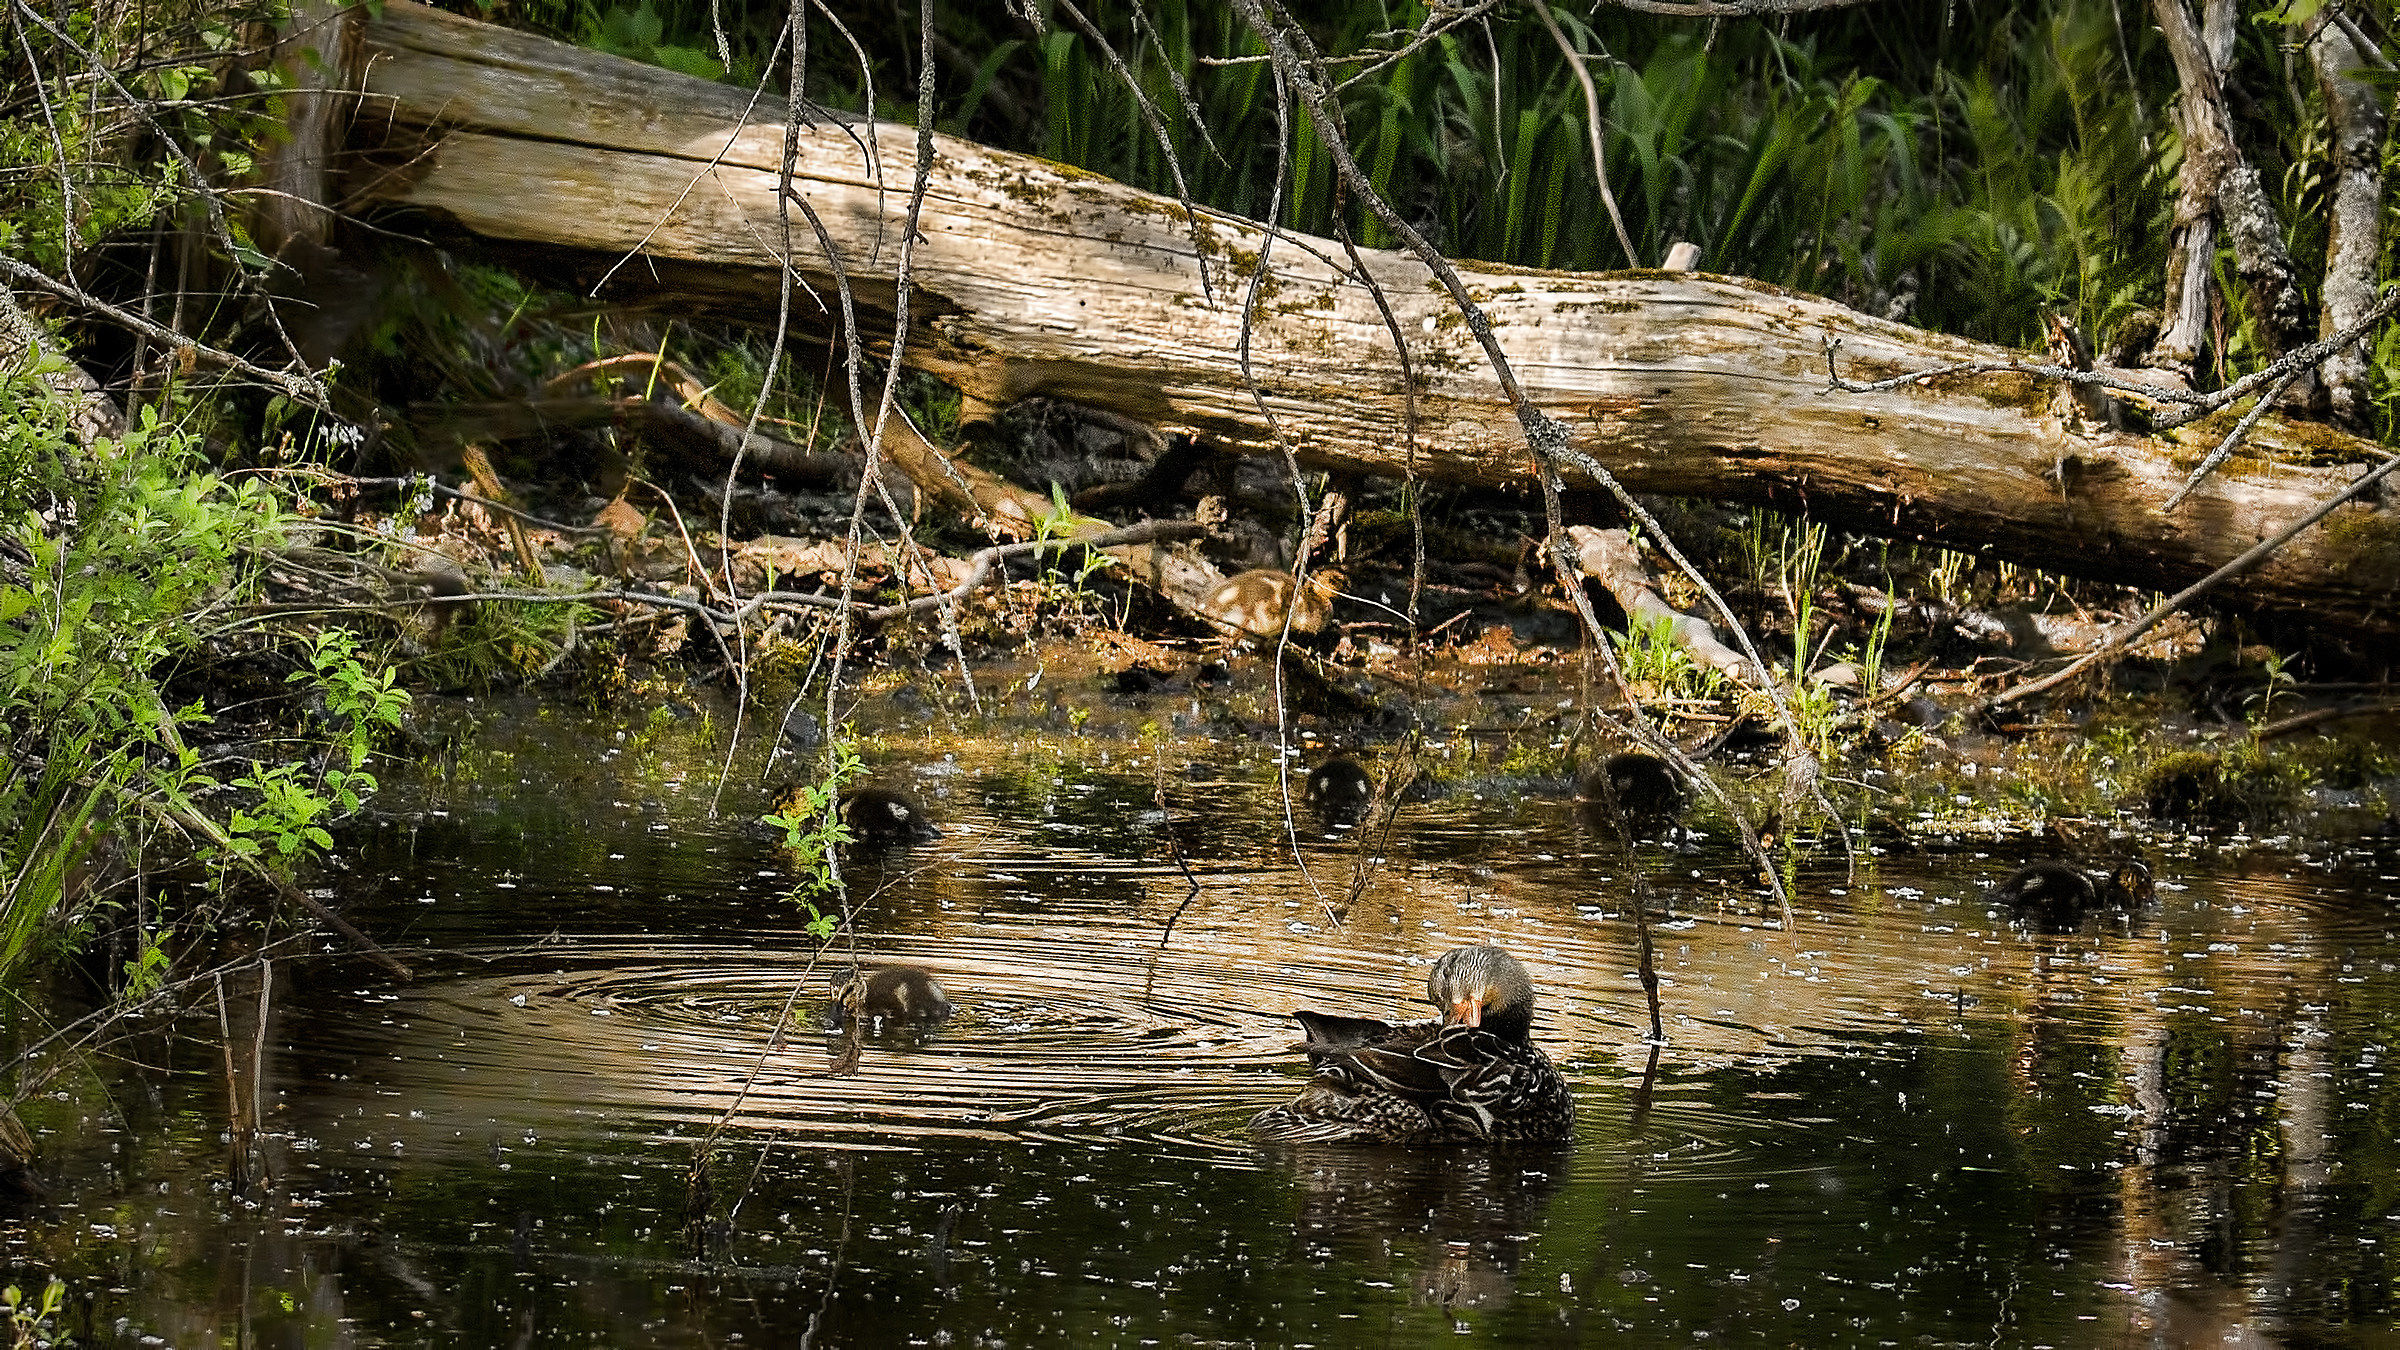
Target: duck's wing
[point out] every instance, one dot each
(2046, 884)
(1332, 1032)
(1419, 1083)
(1496, 1089)
(1366, 1086)
(1326, 1113)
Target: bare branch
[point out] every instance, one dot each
(301, 388)
(1591, 118)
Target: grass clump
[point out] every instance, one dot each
(2240, 785)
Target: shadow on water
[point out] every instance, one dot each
(1905, 1120)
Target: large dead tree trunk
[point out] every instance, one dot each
(2218, 179)
(1033, 278)
(2354, 109)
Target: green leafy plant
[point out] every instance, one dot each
(1650, 653)
(127, 540)
(1070, 590)
(283, 828)
(812, 829)
(30, 1321)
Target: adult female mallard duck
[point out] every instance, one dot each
(1472, 1077)
(2058, 895)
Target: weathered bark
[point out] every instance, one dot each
(2356, 112)
(309, 56)
(2218, 179)
(1037, 279)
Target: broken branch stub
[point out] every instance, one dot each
(1610, 558)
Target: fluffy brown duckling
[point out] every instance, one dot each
(881, 817)
(1253, 603)
(1646, 789)
(1340, 789)
(1474, 1076)
(2059, 894)
(879, 994)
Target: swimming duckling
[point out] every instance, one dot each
(1472, 1077)
(1341, 788)
(2059, 894)
(879, 994)
(879, 817)
(1646, 789)
(1253, 603)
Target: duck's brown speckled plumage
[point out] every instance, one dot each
(1472, 1077)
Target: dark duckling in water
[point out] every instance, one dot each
(1340, 788)
(879, 994)
(1646, 789)
(879, 817)
(2059, 895)
(1472, 1077)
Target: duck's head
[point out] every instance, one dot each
(1341, 791)
(2131, 882)
(1482, 987)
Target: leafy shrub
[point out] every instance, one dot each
(124, 554)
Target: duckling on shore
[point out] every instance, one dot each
(2059, 894)
(1474, 1076)
(878, 994)
(1646, 789)
(1254, 603)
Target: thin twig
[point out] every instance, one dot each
(305, 389)
(2320, 716)
(2233, 440)
(1158, 132)
(1591, 108)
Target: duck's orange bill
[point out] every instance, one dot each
(1467, 1012)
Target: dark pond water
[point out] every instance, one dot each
(589, 1120)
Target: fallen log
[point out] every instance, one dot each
(1033, 278)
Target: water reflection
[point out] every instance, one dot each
(1459, 1219)
(1904, 1117)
